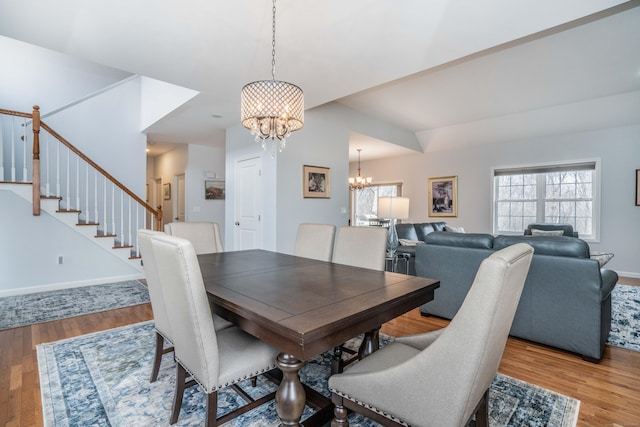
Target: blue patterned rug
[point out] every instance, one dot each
(625, 317)
(102, 379)
(22, 310)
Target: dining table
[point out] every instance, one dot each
(304, 307)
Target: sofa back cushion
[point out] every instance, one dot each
(424, 228)
(406, 231)
(460, 240)
(567, 229)
(547, 245)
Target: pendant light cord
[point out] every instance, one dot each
(273, 43)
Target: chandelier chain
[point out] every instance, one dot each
(273, 43)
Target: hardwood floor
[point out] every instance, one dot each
(609, 391)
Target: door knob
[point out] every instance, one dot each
(237, 223)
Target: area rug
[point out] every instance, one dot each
(22, 310)
(103, 379)
(625, 317)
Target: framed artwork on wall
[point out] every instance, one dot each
(214, 190)
(166, 191)
(316, 182)
(443, 196)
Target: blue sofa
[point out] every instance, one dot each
(566, 301)
(414, 233)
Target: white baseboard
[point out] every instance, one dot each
(68, 285)
(628, 274)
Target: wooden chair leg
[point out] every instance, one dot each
(181, 377)
(212, 409)
(482, 414)
(157, 358)
(339, 412)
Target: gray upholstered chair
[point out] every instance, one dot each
(315, 241)
(363, 247)
(160, 317)
(441, 378)
(205, 236)
(213, 359)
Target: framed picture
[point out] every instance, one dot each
(166, 191)
(214, 190)
(637, 187)
(316, 182)
(443, 196)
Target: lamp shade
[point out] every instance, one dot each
(393, 207)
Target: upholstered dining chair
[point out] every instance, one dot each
(315, 241)
(160, 317)
(363, 247)
(205, 236)
(213, 359)
(441, 378)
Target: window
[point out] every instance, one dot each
(364, 202)
(565, 194)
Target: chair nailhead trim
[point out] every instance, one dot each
(372, 408)
(221, 386)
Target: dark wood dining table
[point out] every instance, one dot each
(304, 307)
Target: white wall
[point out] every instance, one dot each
(618, 149)
(324, 141)
(165, 167)
(106, 129)
(31, 245)
(202, 160)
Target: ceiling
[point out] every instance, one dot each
(452, 71)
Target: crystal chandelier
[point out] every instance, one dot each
(358, 182)
(271, 108)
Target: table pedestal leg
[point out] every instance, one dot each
(370, 343)
(290, 397)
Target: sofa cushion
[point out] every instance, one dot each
(407, 242)
(425, 228)
(547, 245)
(406, 232)
(454, 229)
(461, 240)
(567, 229)
(536, 232)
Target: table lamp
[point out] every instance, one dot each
(393, 208)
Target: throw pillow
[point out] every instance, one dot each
(454, 229)
(407, 242)
(601, 257)
(536, 232)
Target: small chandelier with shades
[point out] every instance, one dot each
(359, 182)
(271, 108)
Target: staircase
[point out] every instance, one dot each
(69, 186)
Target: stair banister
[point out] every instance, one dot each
(149, 208)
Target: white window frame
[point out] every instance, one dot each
(594, 237)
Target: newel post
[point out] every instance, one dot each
(159, 219)
(36, 160)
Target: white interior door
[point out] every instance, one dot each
(248, 205)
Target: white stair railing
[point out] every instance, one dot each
(86, 187)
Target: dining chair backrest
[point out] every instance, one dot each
(160, 316)
(361, 247)
(194, 335)
(315, 241)
(204, 236)
(442, 378)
